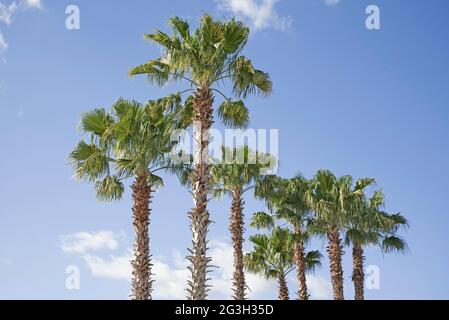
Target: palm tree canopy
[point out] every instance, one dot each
(208, 57)
(286, 198)
(237, 169)
(272, 255)
(131, 140)
(331, 198)
(370, 225)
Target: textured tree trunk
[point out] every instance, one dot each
(237, 228)
(283, 288)
(358, 275)
(300, 267)
(141, 283)
(200, 181)
(335, 251)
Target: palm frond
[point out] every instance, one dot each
(234, 114)
(110, 188)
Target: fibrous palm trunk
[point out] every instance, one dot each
(141, 282)
(200, 180)
(283, 288)
(358, 275)
(237, 228)
(335, 251)
(300, 266)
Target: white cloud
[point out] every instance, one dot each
(7, 261)
(8, 11)
(261, 14)
(170, 282)
(319, 288)
(3, 44)
(332, 2)
(84, 242)
(33, 4)
(171, 276)
(114, 267)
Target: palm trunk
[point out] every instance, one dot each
(300, 267)
(237, 228)
(283, 288)
(200, 180)
(335, 253)
(141, 283)
(358, 275)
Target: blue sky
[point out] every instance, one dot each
(355, 101)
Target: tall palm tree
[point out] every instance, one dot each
(272, 257)
(331, 197)
(132, 141)
(287, 199)
(370, 225)
(206, 58)
(235, 174)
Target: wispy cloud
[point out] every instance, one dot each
(3, 44)
(84, 242)
(261, 14)
(171, 274)
(113, 267)
(332, 3)
(319, 287)
(7, 12)
(33, 4)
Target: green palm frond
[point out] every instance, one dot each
(156, 71)
(97, 122)
(181, 27)
(208, 55)
(89, 161)
(237, 169)
(110, 188)
(234, 114)
(155, 181)
(235, 36)
(313, 260)
(262, 220)
(247, 80)
(393, 244)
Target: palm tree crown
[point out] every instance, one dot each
(331, 198)
(133, 140)
(272, 257)
(369, 225)
(207, 58)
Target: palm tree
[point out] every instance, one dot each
(331, 197)
(370, 225)
(272, 257)
(206, 59)
(234, 174)
(132, 141)
(287, 199)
